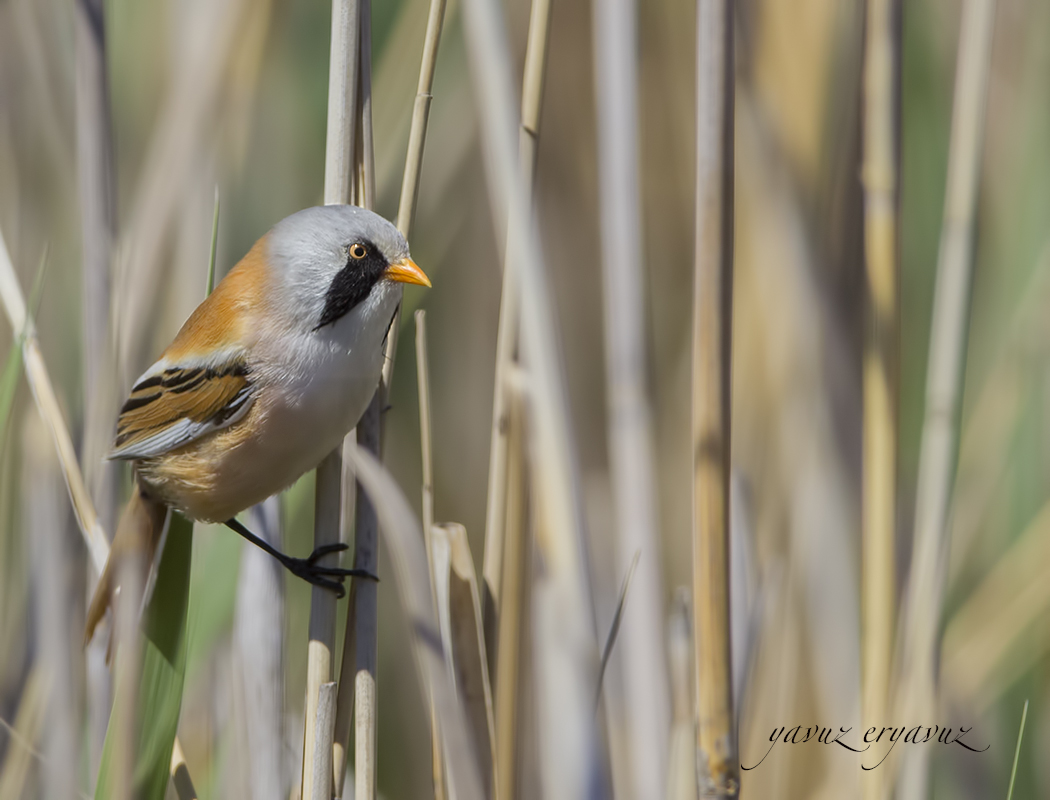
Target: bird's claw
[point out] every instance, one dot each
(325, 549)
(327, 577)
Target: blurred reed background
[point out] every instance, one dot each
(233, 94)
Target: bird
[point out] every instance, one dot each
(263, 380)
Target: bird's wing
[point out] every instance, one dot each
(174, 403)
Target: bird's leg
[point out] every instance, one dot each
(307, 568)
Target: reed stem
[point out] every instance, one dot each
(344, 61)
(98, 229)
(948, 331)
(880, 379)
(566, 651)
(712, 349)
(425, 444)
(514, 598)
(631, 459)
(507, 336)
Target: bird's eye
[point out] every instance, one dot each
(358, 251)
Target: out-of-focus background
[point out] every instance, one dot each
(231, 93)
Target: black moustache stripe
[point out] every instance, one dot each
(352, 284)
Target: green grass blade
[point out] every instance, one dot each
(163, 670)
(8, 385)
(1017, 752)
(214, 245)
(37, 290)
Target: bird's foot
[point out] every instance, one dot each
(327, 577)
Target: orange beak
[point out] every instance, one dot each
(406, 271)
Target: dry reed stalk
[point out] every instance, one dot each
(880, 380)
(322, 609)
(96, 180)
(361, 643)
(98, 229)
(47, 404)
(363, 611)
(425, 444)
(505, 586)
(423, 381)
(681, 758)
(180, 774)
(406, 210)
(399, 77)
(937, 453)
(501, 457)
(324, 732)
(366, 159)
(131, 568)
(647, 701)
(408, 557)
(565, 651)
(712, 349)
(458, 602)
(327, 517)
(258, 633)
(343, 66)
(513, 599)
(46, 531)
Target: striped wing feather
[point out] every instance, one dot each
(171, 407)
(193, 391)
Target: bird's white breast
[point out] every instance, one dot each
(316, 386)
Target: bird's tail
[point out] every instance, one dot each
(137, 536)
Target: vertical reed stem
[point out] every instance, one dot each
(364, 601)
(344, 61)
(342, 100)
(406, 210)
(364, 610)
(359, 653)
(944, 377)
(48, 520)
(98, 229)
(566, 653)
(95, 169)
(497, 520)
(712, 347)
(366, 190)
(423, 379)
(324, 727)
(514, 596)
(425, 442)
(879, 175)
(631, 459)
(128, 667)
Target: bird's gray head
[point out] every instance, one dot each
(330, 258)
